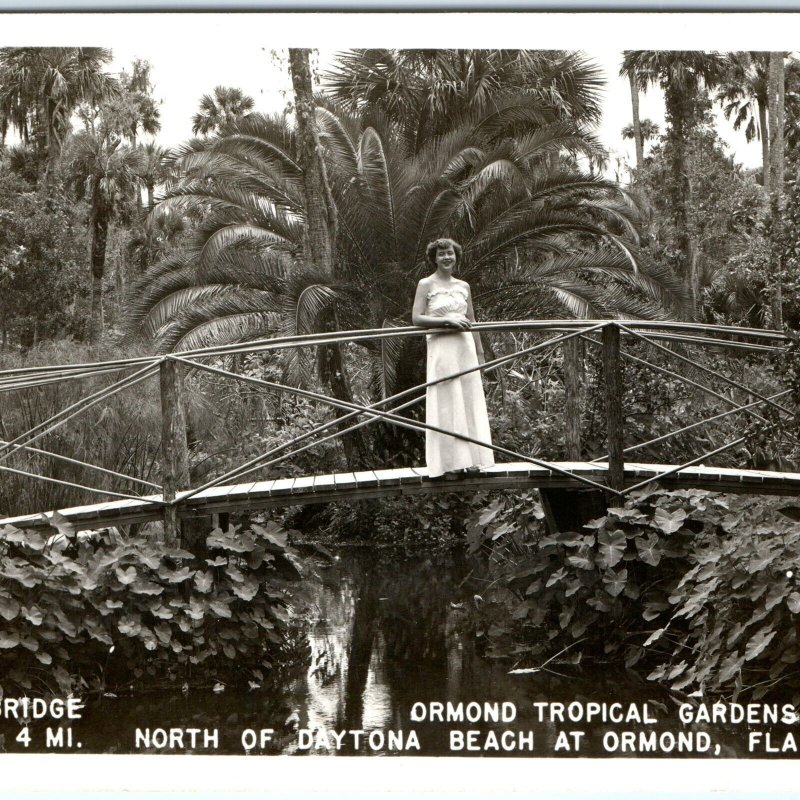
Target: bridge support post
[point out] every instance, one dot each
(174, 449)
(612, 371)
(573, 374)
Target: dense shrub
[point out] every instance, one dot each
(731, 619)
(696, 589)
(81, 613)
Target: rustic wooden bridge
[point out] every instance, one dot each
(613, 474)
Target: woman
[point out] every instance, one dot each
(457, 405)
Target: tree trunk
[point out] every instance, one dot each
(320, 229)
(52, 142)
(637, 124)
(681, 191)
(100, 220)
(319, 239)
(776, 157)
(765, 163)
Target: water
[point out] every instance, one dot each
(392, 641)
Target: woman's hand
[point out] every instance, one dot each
(460, 323)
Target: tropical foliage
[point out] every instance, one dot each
(497, 149)
(691, 586)
(224, 105)
(42, 255)
(681, 75)
(103, 170)
(426, 92)
(535, 233)
(108, 613)
(40, 88)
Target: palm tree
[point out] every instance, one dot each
(152, 235)
(636, 132)
(743, 95)
(426, 92)
(103, 170)
(131, 111)
(225, 105)
(647, 130)
(40, 87)
(146, 118)
(151, 241)
(537, 240)
(684, 77)
(319, 239)
(153, 169)
(777, 110)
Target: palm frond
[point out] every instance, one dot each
(314, 301)
(374, 168)
(239, 235)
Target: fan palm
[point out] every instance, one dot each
(40, 87)
(103, 170)
(648, 129)
(743, 95)
(149, 242)
(152, 169)
(225, 105)
(425, 92)
(684, 77)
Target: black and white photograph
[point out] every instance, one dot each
(399, 386)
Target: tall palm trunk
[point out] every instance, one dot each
(765, 162)
(320, 234)
(776, 154)
(319, 238)
(101, 213)
(681, 188)
(637, 123)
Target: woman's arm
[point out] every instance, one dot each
(419, 317)
(475, 334)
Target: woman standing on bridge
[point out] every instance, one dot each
(457, 405)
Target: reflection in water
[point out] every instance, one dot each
(377, 638)
(386, 633)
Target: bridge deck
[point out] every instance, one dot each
(407, 480)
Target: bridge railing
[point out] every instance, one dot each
(607, 336)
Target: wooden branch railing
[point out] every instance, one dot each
(566, 333)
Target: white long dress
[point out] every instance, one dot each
(456, 405)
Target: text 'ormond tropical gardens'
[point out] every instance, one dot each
(540, 728)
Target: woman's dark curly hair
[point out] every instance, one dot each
(442, 244)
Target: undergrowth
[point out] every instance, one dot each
(94, 613)
(699, 591)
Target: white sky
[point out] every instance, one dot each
(259, 73)
(191, 53)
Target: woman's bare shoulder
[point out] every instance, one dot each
(425, 282)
